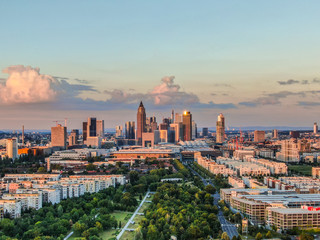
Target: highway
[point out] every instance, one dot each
(226, 226)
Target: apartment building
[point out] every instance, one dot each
(288, 218)
(236, 182)
(11, 207)
(243, 168)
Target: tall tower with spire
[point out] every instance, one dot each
(141, 122)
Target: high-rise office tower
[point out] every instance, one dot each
(12, 148)
(259, 136)
(84, 131)
(178, 118)
(220, 129)
(100, 128)
(93, 128)
(187, 126)
(178, 129)
(294, 134)
(22, 137)
(74, 137)
(151, 124)
(59, 136)
(130, 130)
(194, 130)
(163, 126)
(141, 122)
(315, 128)
(275, 133)
(205, 132)
(118, 131)
(172, 116)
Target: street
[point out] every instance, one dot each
(226, 226)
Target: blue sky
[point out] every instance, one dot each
(230, 53)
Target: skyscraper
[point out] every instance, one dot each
(220, 129)
(93, 128)
(100, 128)
(130, 130)
(194, 130)
(259, 136)
(315, 128)
(12, 148)
(59, 136)
(84, 131)
(141, 122)
(74, 137)
(22, 137)
(187, 126)
(275, 133)
(205, 132)
(118, 131)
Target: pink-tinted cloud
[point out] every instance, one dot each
(27, 85)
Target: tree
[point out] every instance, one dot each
(79, 227)
(152, 232)
(258, 236)
(225, 236)
(306, 236)
(269, 234)
(120, 224)
(7, 226)
(133, 176)
(41, 170)
(210, 189)
(91, 167)
(60, 210)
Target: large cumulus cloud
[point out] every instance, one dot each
(27, 85)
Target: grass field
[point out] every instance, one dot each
(136, 220)
(301, 169)
(112, 233)
(144, 206)
(127, 235)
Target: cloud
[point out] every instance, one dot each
(308, 104)
(82, 81)
(169, 93)
(303, 82)
(222, 85)
(27, 85)
(289, 82)
(271, 98)
(120, 96)
(166, 93)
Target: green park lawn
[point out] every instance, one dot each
(127, 235)
(120, 216)
(301, 169)
(136, 220)
(144, 206)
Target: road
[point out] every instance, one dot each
(226, 226)
(132, 217)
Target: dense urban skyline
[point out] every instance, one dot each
(255, 62)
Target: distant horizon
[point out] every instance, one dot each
(244, 128)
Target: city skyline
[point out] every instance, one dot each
(102, 59)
